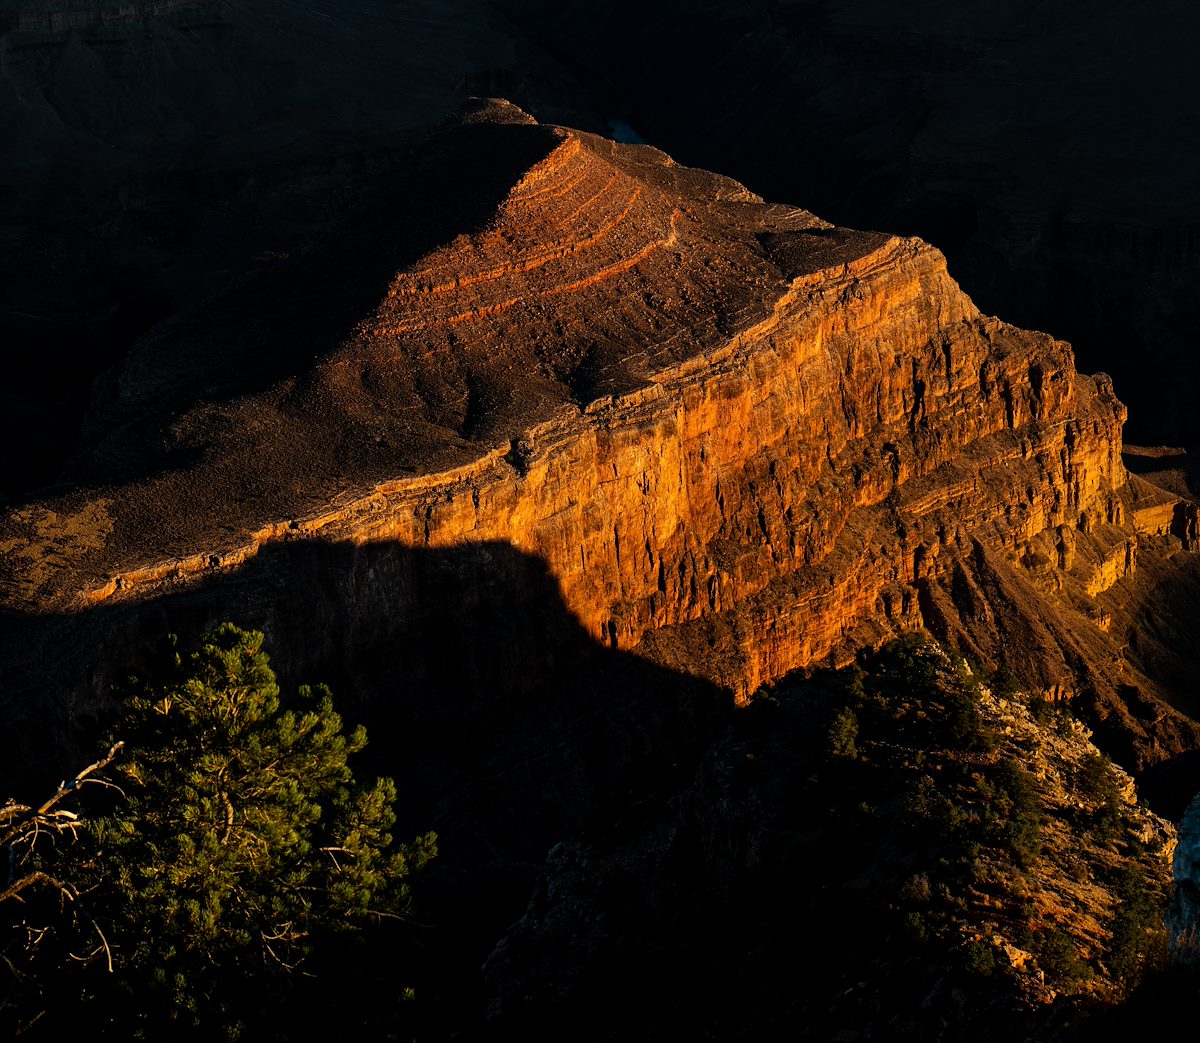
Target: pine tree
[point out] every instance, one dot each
(242, 839)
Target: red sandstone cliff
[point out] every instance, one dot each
(741, 441)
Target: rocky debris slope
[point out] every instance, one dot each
(953, 864)
(742, 441)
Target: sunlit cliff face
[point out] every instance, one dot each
(1047, 150)
(741, 441)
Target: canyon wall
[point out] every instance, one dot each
(738, 442)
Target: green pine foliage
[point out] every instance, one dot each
(843, 730)
(1096, 784)
(1057, 957)
(1139, 939)
(242, 840)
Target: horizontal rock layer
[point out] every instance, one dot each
(740, 442)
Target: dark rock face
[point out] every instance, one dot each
(1183, 919)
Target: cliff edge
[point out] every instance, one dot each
(741, 440)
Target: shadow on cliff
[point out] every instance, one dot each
(497, 712)
(505, 725)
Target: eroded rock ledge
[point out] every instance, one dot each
(741, 441)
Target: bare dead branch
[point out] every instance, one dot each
(333, 852)
(16, 972)
(32, 879)
(22, 1029)
(104, 942)
(22, 825)
(67, 788)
